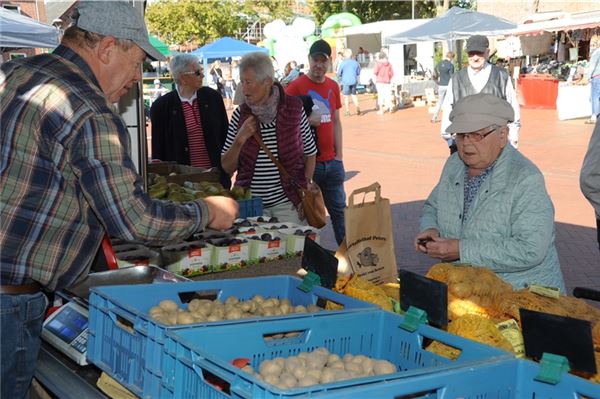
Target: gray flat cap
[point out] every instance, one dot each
(475, 112)
(118, 19)
(477, 43)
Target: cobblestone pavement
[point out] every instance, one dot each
(403, 151)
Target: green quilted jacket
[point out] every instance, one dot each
(510, 224)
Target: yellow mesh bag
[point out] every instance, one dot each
(362, 289)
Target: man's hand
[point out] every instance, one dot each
(222, 211)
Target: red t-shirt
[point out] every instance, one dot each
(326, 96)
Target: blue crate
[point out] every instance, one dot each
(250, 207)
(501, 379)
(127, 344)
(195, 354)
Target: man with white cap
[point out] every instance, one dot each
(480, 77)
(490, 207)
(67, 178)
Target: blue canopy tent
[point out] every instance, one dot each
(226, 47)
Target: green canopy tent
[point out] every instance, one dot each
(162, 48)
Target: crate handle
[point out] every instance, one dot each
(121, 320)
(322, 303)
(188, 296)
(276, 338)
(218, 382)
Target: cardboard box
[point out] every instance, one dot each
(188, 258)
(183, 173)
(227, 256)
(295, 241)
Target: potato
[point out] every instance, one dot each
(285, 308)
(354, 368)
(245, 306)
(258, 299)
(280, 361)
(155, 310)
(213, 317)
(367, 366)
(194, 305)
(168, 305)
(321, 351)
(233, 314)
(348, 357)
(333, 358)
(328, 375)
(313, 309)
(292, 363)
(300, 309)
(286, 380)
(299, 372)
(232, 300)
(307, 380)
(185, 318)
(272, 379)
(336, 365)
(383, 367)
(270, 368)
(316, 374)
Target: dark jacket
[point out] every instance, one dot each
(169, 133)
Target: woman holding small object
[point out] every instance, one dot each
(269, 119)
(490, 207)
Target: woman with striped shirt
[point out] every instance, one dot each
(269, 114)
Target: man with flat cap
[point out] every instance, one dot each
(480, 77)
(325, 94)
(490, 207)
(67, 178)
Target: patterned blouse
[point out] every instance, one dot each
(472, 185)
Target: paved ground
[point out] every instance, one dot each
(404, 153)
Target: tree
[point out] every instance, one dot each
(200, 22)
(372, 11)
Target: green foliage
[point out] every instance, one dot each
(372, 11)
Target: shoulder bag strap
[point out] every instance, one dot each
(270, 155)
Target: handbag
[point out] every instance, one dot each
(313, 204)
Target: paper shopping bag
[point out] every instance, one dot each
(369, 238)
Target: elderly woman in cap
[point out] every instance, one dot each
(490, 207)
(269, 116)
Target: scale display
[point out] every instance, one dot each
(67, 330)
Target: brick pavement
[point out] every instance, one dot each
(404, 153)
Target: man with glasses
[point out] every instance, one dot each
(189, 124)
(490, 207)
(325, 94)
(480, 77)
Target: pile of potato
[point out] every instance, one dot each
(205, 310)
(318, 367)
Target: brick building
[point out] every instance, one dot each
(518, 10)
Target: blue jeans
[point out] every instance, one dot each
(595, 96)
(20, 330)
(330, 175)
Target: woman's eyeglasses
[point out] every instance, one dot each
(197, 73)
(475, 137)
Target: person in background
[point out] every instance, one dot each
(235, 71)
(444, 71)
(291, 72)
(348, 74)
(480, 77)
(593, 76)
(158, 90)
(490, 207)
(189, 124)
(278, 120)
(229, 89)
(216, 74)
(68, 178)
(329, 169)
(589, 177)
(339, 58)
(383, 76)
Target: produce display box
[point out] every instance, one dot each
(229, 256)
(183, 173)
(250, 207)
(267, 250)
(188, 259)
(127, 344)
(295, 242)
(138, 257)
(497, 379)
(193, 356)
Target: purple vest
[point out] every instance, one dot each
(289, 146)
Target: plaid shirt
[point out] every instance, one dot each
(66, 175)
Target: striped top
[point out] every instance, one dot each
(198, 152)
(67, 177)
(266, 182)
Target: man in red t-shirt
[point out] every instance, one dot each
(325, 94)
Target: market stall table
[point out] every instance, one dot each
(537, 91)
(573, 101)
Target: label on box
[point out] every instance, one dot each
(187, 259)
(235, 248)
(550, 292)
(511, 331)
(274, 244)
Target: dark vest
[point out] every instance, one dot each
(290, 148)
(496, 84)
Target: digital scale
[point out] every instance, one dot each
(67, 330)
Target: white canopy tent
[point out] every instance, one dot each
(20, 31)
